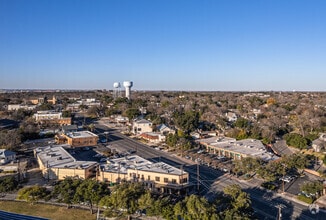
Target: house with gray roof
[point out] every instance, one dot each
(7, 156)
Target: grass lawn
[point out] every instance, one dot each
(46, 211)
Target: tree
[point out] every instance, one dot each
(66, 114)
(242, 123)
(33, 194)
(188, 121)
(296, 140)
(195, 207)
(239, 203)
(45, 106)
(65, 190)
(91, 192)
(145, 201)
(132, 113)
(247, 165)
(124, 199)
(10, 139)
(312, 188)
(296, 161)
(8, 184)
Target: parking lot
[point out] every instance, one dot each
(85, 154)
(293, 187)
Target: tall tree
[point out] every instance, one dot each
(91, 192)
(65, 190)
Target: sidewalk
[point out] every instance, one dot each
(321, 202)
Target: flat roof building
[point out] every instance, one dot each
(230, 147)
(56, 163)
(51, 117)
(77, 139)
(158, 177)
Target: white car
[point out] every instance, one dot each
(286, 179)
(103, 160)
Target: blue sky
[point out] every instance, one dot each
(163, 44)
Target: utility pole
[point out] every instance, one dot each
(18, 170)
(283, 177)
(198, 178)
(279, 214)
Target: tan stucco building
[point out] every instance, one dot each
(142, 126)
(56, 164)
(158, 177)
(51, 118)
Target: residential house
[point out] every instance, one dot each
(153, 137)
(231, 116)
(164, 129)
(7, 156)
(319, 145)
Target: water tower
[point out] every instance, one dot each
(116, 90)
(127, 85)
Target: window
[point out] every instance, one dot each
(149, 178)
(174, 181)
(166, 180)
(157, 178)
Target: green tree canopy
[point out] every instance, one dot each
(132, 113)
(242, 123)
(33, 194)
(195, 207)
(65, 190)
(124, 199)
(314, 187)
(188, 121)
(91, 192)
(239, 203)
(296, 140)
(8, 184)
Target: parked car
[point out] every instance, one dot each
(286, 179)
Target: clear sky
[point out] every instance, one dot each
(163, 44)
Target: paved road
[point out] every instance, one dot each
(212, 181)
(265, 202)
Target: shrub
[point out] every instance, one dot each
(269, 185)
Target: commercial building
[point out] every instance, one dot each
(231, 148)
(56, 164)
(158, 177)
(77, 139)
(142, 126)
(16, 107)
(51, 117)
(42, 100)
